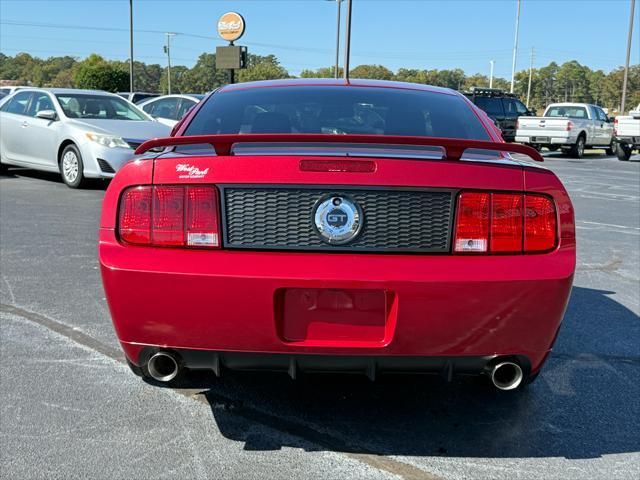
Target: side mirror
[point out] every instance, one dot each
(533, 112)
(611, 119)
(47, 115)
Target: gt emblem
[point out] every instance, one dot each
(338, 220)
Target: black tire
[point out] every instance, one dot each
(72, 167)
(577, 150)
(612, 148)
(623, 152)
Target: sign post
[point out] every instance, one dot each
(231, 27)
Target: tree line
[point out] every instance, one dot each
(570, 81)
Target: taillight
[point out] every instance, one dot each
(569, 126)
(472, 224)
(165, 215)
(135, 215)
(504, 223)
(615, 126)
(517, 124)
(539, 223)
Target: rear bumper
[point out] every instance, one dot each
(628, 140)
(552, 140)
(439, 306)
(371, 366)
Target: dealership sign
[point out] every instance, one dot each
(231, 26)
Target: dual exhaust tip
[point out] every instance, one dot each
(164, 367)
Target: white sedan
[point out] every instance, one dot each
(169, 109)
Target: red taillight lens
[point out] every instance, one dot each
(135, 215)
(472, 224)
(540, 228)
(170, 216)
(506, 223)
(569, 126)
(202, 217)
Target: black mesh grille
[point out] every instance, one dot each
(105, 167)
(281, 218)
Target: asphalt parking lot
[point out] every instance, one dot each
(70, 408)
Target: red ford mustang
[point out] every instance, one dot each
(320, 225)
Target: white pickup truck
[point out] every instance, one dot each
(627, 133)
(569, 126)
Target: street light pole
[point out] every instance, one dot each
(167, 50)
(339, 2)
(530, 75)
(626, 66)
(515, 49)
(131, 46)
(491, 74)
(347, 42)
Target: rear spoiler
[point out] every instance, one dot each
(454, 147)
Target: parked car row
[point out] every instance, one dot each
(569, 127)
(80, 133)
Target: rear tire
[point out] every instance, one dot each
(72, 167)
(623, 152)
(577, 150)
(612, 148)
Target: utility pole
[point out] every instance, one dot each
(167, 50)
(626, 65)
(530, 75)
(491, 74)
(347, 42)
(131, 46)
(337, 65)
(515, 49)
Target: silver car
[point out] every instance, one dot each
(169, 109)
(79, 133)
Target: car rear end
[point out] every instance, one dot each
(281, 252)
(627, 129)
(546, 131)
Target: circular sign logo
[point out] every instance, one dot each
(231, 26)
(337, 219)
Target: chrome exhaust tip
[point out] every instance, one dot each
(506, 375)
(163, 367)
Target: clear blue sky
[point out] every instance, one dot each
(301, 33)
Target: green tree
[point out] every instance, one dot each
(97, 74)
(374, 72)
(477, 80)
(262, 68)
(323, 72)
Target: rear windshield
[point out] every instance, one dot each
(571, 112)
(337, 110)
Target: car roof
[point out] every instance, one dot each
(76, 91)
(570, 104)
(333, 82)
